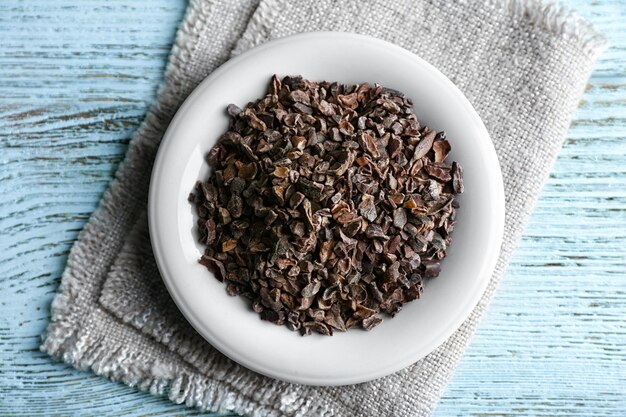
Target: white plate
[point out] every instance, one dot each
(355, 356)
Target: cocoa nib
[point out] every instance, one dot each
(327, 204)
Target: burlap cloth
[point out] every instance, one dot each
(522, 64)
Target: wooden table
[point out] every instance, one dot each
(75, 81)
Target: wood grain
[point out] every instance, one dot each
(75, 81)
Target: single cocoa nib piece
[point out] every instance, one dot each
(327, 204)
(233, 110)
(432, 269)
(424, 145)
(371, 322)
(310, 188)
(441, 149)
(399, 218)
(367, 208)
(457, 178)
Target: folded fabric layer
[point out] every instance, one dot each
(522, 64)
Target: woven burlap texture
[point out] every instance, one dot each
(522, 64)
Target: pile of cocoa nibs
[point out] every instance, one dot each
(327, 204)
